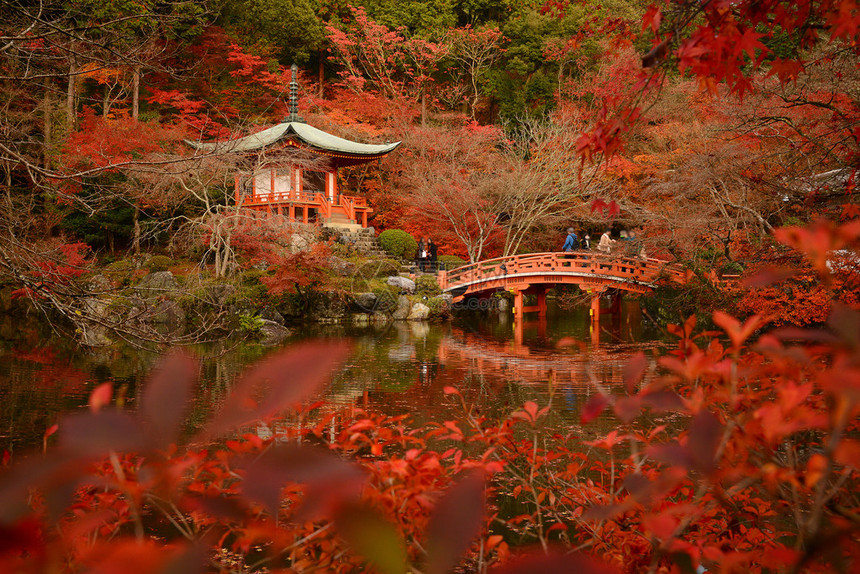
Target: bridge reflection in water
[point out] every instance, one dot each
(496, 362)
(567, 368)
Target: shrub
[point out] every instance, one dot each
(427, 285)
(250, 323)
(731, 268)
(452, 261)
(439, 307)
(398, 243)
(386, 298)
(251, 288)
(159, 263)
(120, 271)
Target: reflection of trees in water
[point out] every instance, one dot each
(44, 376)
(396, 368)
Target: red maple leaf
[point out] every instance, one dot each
(598, 205)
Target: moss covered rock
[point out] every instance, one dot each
(158, 263)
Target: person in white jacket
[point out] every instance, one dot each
(606, 242)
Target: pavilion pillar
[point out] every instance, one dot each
(291, 210)
(236, 189)
(278, 207)
(331, 185)
(272, 175)
(364, 219)
(306, 210)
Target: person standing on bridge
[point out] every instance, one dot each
(586, 243)
(572, 241)
(606, 242)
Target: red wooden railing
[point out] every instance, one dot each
(312, 198)
(324, 206)
(347, 205)
(575, 267)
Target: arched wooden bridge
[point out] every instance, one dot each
(535, 273)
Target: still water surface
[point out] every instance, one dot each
(396, 368)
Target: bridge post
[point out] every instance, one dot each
(541, 302)
(518, 304)
(595, 307)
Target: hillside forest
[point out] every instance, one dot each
(725, 133)
(703, 131)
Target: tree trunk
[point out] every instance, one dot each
(47, 127)
(217, 263)
(135, 93)
(424, 106)
(226, 260)
(105, 101)
(135, 243)
(322, 72)
(171, 244)
(70, 98)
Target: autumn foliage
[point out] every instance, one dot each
(737, 450)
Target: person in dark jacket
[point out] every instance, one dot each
(432, 252)
(586, 242)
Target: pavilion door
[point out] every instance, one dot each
(314, 181)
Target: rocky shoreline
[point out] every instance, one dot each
(129, 299)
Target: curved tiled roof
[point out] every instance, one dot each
(309, 135)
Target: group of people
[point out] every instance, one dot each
(426, 255)
(631, 244)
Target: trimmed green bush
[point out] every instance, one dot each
(451, 261)
(398, 243)
(158, 263)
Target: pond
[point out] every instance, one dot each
(395, 368)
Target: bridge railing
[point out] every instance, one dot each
(573, 263)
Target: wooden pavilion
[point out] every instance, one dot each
(277, 184)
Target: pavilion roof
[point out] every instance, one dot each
(312, 137)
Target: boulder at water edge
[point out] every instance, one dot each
(419, 312)
(272, 333)
(402, 283)
(403, 307)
